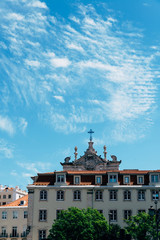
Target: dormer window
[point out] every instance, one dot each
(154, 178)
(140, 179)
(98, 179)
(60, 178)
(126, 179)
(113, 178)
(76, 179)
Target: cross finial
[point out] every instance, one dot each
(90, 132)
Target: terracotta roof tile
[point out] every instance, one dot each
(17, 202)
(42, 183)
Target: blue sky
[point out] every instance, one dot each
(68, 66)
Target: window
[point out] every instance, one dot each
(77, 195)
(113, 216)
(140, 180)
(154, 178)
(155, 195)
(127, 214)
(98, 179)
(3, 229)
(4, 196)
(113, 178)
(9, 196)
(60, 195)
(15, 214)
(113, 195)
(42, 234)
(4, 203)
(58, 212)
(43, 195)
(4, 215)
(99, 195)
(14, 232)
(42, 215)
(60, 178)
(127, 195)
(25, 214)
(76, 179)
(100, 211)
(141, 210)
(141, 195)
(126, 179)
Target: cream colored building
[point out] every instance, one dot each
(90, 181)
(13, 220)
(10, 194)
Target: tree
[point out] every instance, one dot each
(141, 226)
(79, 225)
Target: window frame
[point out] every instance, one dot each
(41, 234)
(76, 195)
(127, 214)
(141, 195)
(113, 215)
(15, 214)
(138, 177)
(153, 178)
(60, 178)
(77, 177)
(96, 179)
(155, 192)
(60, 195)
(43, 195)
(98, 195)
(4, 215)
(25, 214)
(113, 195)
(126, 177)
(127, 195)
(42, 215)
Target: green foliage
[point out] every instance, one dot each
(141, 226)
(85, 224)
(114, 231)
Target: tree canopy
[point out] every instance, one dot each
(79, 225)
(141, 226)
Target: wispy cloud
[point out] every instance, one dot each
(102, 70)
(6, 150)
(6, 125)
(23, 124)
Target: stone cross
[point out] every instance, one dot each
(90, 132)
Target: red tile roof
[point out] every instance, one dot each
(17, 202)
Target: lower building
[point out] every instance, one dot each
(90, 181)
(13, 220)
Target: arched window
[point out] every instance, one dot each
(43, 195)
(77, 195)
(99, 195)
(60, 195)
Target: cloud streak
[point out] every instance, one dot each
(88, 60)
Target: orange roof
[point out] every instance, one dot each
(17, 202)
(41, 183)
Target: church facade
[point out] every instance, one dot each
(90, 181)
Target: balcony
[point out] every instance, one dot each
(3, 235)
(14, 235)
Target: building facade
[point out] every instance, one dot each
(13, 220)
(10, 194)
(90, 181)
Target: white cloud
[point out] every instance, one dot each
(23, 124)
(38, 4)
(60, 62)
(6, 150)
(32, 63)
(14, 173)
(75, 47)
(6, 125)
(15, 16)
(60, 98)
